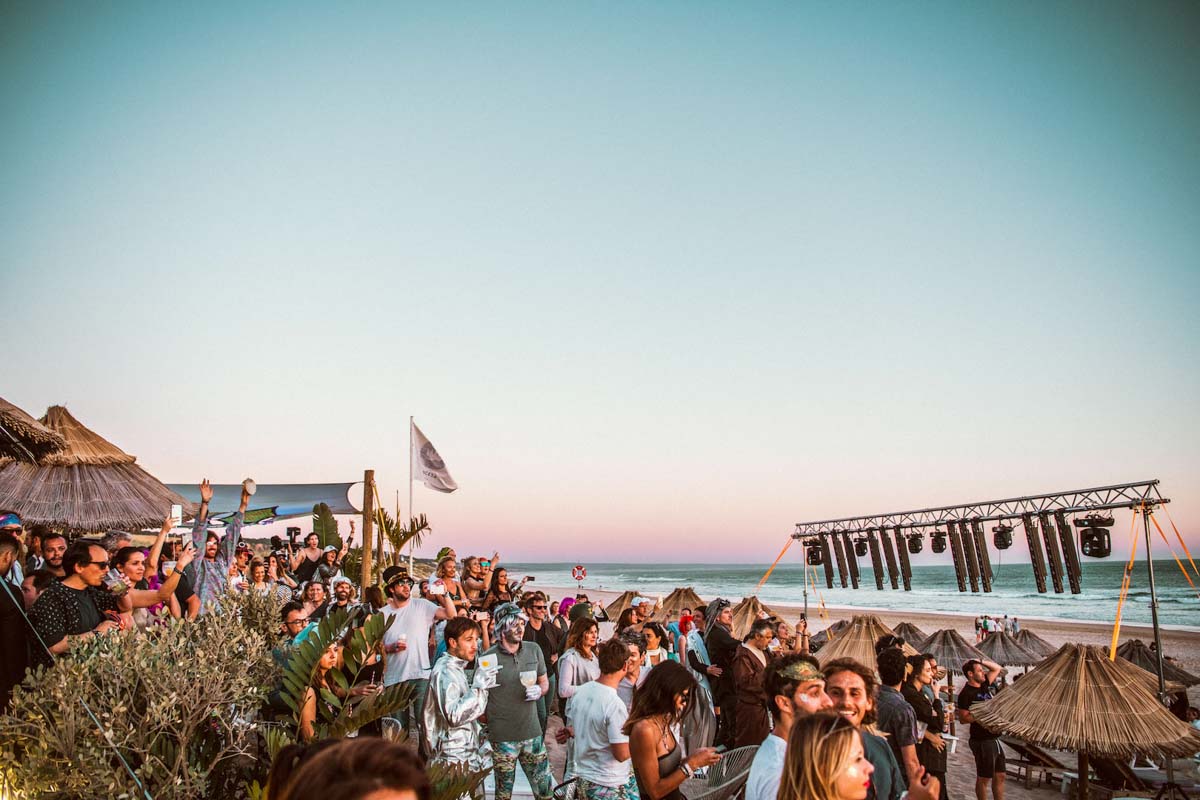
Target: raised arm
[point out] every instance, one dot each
(447, 610)
(200, 527)
(156, 548)
(230, 542)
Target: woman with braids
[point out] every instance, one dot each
(659, 705)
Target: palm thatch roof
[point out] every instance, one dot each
(911, 633)
(677, 600)
(821, 638)
(857, 641)
(23, 438)
(1006, 651)
(746, 612)
(91, 485)
(950, 649)
(1135, 650)
(1034, 643)
(616, 607)
(1150, 679)
(1079, 700)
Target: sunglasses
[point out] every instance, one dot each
(100, 564)
(538, 608)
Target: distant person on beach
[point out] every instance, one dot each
(985, 744)
(896, 717)
(722, 647)
(659, 763)
(794, 687)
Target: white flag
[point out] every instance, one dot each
(427, 465)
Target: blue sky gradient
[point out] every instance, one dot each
(655, 279)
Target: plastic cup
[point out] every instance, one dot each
(488, 661)
(249, 486)
(168, 568)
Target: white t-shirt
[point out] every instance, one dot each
(598, 715)
(413, 621)
(766, 770)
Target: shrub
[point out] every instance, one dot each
(177, 703)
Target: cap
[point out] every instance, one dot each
(10, 521)
(329, 549)
(393, 575)
(641, 601)
(581, 610)
(340, 579)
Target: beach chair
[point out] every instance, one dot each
(725, 779)
(1032, 760)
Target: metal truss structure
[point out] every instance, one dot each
(1043, 516)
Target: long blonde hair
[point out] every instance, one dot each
(818, 750)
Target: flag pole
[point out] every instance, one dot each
(411, 546)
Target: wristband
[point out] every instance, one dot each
(688, 772)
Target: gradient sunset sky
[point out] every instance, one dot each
(658, 280)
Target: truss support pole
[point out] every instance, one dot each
(1070, 552)
(981, 551)
(1036, 559)
(1050, 537)
(851, 559)
(969, 554)
(905, 565)
(956, 550)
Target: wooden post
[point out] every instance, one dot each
(1083, 787)
(368, 533)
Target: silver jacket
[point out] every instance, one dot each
(452, 711)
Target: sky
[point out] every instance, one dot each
(657, 280)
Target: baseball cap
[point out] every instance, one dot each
(340, 579)
(581, 610)
(329, 549)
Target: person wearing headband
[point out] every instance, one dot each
(722, 647)
(794, 687)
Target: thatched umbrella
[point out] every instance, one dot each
(1034, 643)
(911, 633)
(1079, 700)
(821, 638)
(1005, 650)
(617, 607)
(1135, 650)
(678, 600)
(857, 641)
(92, 485)
(23, 438)
(746, 612)
(951, 650)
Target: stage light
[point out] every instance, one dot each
(938, 541)
(1094, 519)
(813, 553)
(915, 543)
(1095, 542)
(860, 546)
(1002, 536)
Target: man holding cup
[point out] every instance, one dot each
(513, 726)
(406, 641)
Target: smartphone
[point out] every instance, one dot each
(530, 578)
(437, 587)
(176, 515)
(722, 748)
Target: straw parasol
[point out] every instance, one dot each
(950, 649)
(23, 438)
(1005, 650)
(1034, 643)
(617, 607)
(91, 485)
(1135, 650)
(911, 633)
(678, 600)
(1079, 700)
(745, 612)
(857, 641)
(820, 639)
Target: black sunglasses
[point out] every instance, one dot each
(101, 564)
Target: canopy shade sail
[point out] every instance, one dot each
(276, 501)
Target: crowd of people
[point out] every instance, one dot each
(985, 625)
(647, 702)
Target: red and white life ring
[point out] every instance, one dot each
(578, 572)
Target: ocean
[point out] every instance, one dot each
(934, 589)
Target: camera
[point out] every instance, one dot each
(292, 533)
(276, 543)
